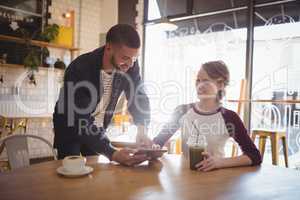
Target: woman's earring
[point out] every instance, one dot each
(221, 94)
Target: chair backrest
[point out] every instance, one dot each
(17, 149)
(271, 117)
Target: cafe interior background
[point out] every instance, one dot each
(177, 36)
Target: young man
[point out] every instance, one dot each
(92, 85)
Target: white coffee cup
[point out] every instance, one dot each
(74, 164)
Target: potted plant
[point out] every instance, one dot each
(50, 33)
(32, 59)
(36, 56)
(32, 62)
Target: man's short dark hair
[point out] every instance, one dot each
(123, 34)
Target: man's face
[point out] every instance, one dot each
(123, 57)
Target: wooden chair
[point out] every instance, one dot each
(275, 134)
(120, 117)
(17, 150)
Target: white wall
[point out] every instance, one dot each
(92, 17)
(109, 14)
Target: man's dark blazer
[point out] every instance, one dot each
(82, 91)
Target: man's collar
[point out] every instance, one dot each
(99, 53)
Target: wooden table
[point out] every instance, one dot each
(169, 178)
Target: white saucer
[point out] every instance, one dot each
(62, 171)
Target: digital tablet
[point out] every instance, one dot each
(151, 152)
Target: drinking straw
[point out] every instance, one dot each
(198, 132)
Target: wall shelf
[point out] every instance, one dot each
(40, 44)
(22, 66)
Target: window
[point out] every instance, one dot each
(172, 59)
(276, 72)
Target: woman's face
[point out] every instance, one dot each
(207, 87)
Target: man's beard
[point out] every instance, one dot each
(113, 62)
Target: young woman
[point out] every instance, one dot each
(207, 117)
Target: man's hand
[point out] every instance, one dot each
(127, 157)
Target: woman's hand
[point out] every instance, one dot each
(209, 163)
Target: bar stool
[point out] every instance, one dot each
(275, 136)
